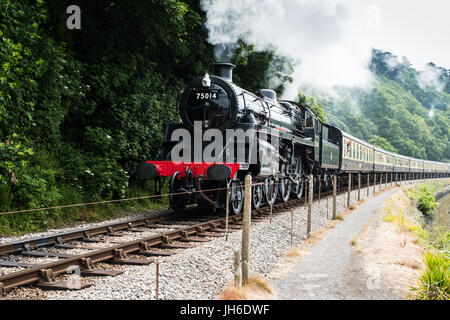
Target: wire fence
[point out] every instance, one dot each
(342, 182)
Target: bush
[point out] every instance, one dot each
(426, 202)
(425, 196)
(434, 282)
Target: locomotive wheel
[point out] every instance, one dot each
(270, 196)
(297, 190)
(177, 202)
(236, 196)
(257, 196)
(284, 189)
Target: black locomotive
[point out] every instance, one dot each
(280, 143)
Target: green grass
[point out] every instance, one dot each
(425, 197)
(403, 222)
(23, 223)
(434, 281)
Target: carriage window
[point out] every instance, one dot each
(353, 151)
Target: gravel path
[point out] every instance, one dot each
(203, 272)
(331, 270)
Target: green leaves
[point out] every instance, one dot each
(434, 281)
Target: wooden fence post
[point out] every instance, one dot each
(349, 189)
(374, 182)
(359, 186)
(334, 196)
(157, 281)
(246, 228)
(320, 186)
(368, 183)
(226, 212)
(310, 196)
(292, 226)
(237, 269)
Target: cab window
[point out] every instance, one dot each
(309, 121)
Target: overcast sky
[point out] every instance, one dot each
(330, 41)
(417, 29)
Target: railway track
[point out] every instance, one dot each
(136, 252)
(182, 231)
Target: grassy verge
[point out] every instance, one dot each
(23, 223)
(256, 289)
(433, 282)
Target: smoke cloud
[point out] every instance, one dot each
(317, 35)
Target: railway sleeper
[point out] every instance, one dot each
(46, 254)
(88, 270)
(113, 233)
(121, 258)
(15, 264)
(49, 282)
(210, 235)
(175, 246)
(88, 238)
(166, 243)
(146, 250)
(185, 238)
(60, 243)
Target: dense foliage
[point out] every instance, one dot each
(80, 108)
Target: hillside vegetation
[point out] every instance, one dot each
(406, 111)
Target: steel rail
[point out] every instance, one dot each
(34, 274)
(34, 243)
(59, 238)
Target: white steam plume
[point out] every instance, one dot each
(317, 34)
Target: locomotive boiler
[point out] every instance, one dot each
(276, 141)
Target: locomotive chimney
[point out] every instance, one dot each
(224, 70)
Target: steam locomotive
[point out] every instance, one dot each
(227, 132)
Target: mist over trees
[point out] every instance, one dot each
(406, 111)
(80, 108)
